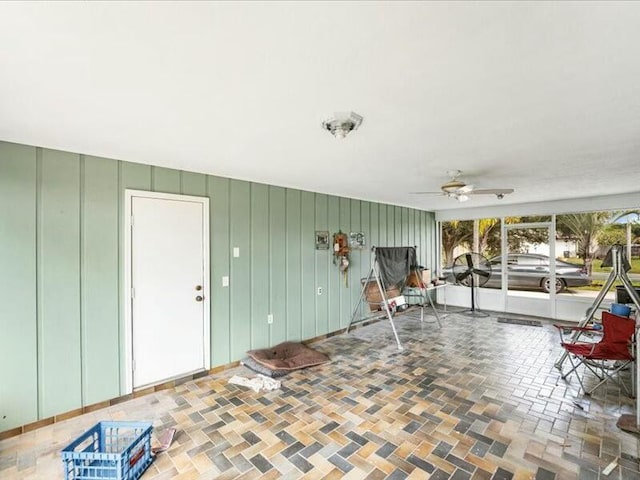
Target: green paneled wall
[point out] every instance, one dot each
(334, 286)
(62, 258)
(321, 267)
(99, 280)
(18, 329)
(58, 286)
(294, 264)
(344, 279)
(278, 265)
(240, 270)
(219, 209)
(307, 247)
(259, 273)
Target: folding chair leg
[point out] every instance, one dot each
(574, 369)
(633, 369)
(609, 376)
(593, 370)
(633, 377)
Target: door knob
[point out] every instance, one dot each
(198, 288)
(199, 298)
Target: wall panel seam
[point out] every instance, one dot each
(269, 262)
(315, 268)
(119, 203)
(39, 332)
(229, 270)
(251, 289)
(81, 265)
(301, 272)
(286, 263)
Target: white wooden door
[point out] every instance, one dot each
(169, 334)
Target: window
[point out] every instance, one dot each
(582, 241)
(463, 236)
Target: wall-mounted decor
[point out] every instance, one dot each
(322, 240)
(341, 251)
(357, 240)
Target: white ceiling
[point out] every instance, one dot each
(541, 97)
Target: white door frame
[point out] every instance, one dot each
(127, 381)
(550, 226)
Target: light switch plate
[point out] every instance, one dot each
(236, 252)
(270, 318)
(225, 281)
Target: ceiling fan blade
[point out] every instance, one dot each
(425, 193)
(493, 191)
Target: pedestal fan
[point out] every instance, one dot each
(472, 270)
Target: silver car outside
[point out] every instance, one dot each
(530, 271)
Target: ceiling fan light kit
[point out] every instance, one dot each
(459, 197)
(342, 123)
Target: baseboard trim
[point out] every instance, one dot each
(29, 427)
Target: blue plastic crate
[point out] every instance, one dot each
(119, 450)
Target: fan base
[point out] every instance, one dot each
(475, 313)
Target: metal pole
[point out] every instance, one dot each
(628, 422)
(433, 307)
(373, 272)
(628, 240)
(362, 295)
(591, 311)
(385, 301)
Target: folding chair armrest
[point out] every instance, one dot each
(576, 329)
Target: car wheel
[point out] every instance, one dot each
(546, 285)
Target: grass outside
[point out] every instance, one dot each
(597, 264)
(597, 286)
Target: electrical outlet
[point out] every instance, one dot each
(225, 281)
(319, 290)
(236, 252)
(270, 319)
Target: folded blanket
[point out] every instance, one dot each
(257, 383)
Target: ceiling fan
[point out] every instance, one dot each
(456, 188)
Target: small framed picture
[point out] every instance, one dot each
(356, 240)
(322, 240)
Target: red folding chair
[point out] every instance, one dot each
(613, 353)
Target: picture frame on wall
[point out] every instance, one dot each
(357, 240)
(322, 240)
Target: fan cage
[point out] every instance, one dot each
(471, 266)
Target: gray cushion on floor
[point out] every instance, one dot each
(251, 364)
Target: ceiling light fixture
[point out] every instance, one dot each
(342, 123)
